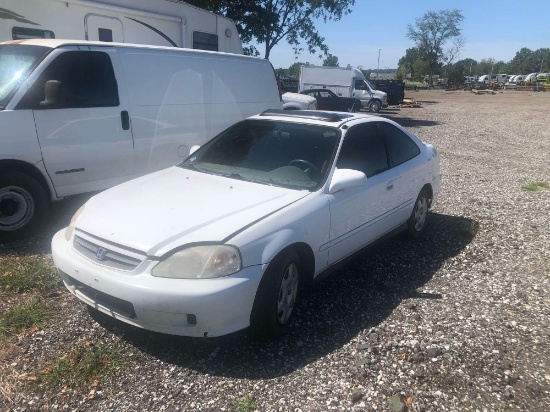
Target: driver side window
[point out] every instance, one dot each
(364, 149)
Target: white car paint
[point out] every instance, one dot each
(297, 101)
(150, 219)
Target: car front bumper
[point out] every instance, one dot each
(186, 307)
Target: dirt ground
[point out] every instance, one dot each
(458, 320)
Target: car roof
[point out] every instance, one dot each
(316, 117)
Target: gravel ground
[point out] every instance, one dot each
(458, 320)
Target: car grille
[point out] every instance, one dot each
(107, 254)
(120, 306)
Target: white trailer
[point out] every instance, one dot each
(343, 81)
(154, 22)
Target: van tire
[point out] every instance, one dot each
(23, 204)
(277, 295)
(374, 106)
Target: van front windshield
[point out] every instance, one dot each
(16, 63)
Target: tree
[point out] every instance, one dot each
(405, 64)
(268, 22)
(331, 61)
(432, 31)
(294, 69)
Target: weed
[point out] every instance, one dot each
(86, 365)
(244, 404)
(532, 187)
(26, 315)
(23, 273)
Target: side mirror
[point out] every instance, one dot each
(54, 96)
(345, 178)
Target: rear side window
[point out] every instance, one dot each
(86, 79)
(402, 148)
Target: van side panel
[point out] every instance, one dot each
(184, 99)
(19, 139)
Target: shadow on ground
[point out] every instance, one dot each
(361, 295)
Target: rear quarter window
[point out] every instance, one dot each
(401, 147)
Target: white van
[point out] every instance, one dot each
(345, 82)
(79, 116)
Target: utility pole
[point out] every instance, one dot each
(378, 67)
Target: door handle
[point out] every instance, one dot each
(125, 119)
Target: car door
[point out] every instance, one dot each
(409, 168)
(84, 129)
(360, 215)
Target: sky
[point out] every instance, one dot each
(492, 29)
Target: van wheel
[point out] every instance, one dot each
(416, 225)
(276, 296)
(23, 204)
(374, 106)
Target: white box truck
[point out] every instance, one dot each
(344, 81)
(78, 116)
(155, 22)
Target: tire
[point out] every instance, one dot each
(374, 106)
(277, 296)
(418, 221)
(23, 204)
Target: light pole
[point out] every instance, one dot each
(378, 67)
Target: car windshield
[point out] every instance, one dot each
(297, 156)
(16, 62)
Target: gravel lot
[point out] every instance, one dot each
(458, 320)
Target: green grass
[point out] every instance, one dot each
(86, 364)
(244, 404)
(532, 187)
(24, 316)
(24, 273)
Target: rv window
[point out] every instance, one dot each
(22, 33)
(205, 41)
(87, 80)
(105, 34)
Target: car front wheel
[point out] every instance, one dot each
(416, 225)
(277, 296)
(375, 106)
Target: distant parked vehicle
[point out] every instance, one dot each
(297, 101)
(327, 100)
(531, 78)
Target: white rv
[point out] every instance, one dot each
(155, 22)
(78, 116)
(343, 81)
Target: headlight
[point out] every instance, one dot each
(70, 229)
(200, 262)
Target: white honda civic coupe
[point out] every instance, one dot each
(227, 239)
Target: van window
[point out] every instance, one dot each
(364, 150)
(401, 147)
(22, 33)
(205, 41)
(87, 80)
(359, 85)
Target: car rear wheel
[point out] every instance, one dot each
(416, 225)
(23, 204)
(277, 296)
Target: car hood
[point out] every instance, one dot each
(173, 207)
